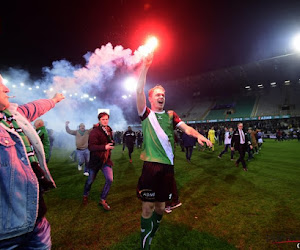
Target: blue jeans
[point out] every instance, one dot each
(39, 238)
(108, 175)
(83, 157)
(226, 150)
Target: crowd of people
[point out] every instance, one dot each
(289, 128)
(252, 141)
(30, 147)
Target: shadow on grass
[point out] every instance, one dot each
(175, 236)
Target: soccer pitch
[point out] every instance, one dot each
(223, 207)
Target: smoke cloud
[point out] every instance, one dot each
(86, 88)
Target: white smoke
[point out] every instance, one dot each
(85, 88)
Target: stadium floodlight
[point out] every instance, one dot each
(14, 86)
(51, 89)
(124, 96)
(273, 83)
(95, 97)
(130, 84)
(296, 43)
(45, 91)
(22, 84)
(37, 87)
(64, 91)
(29, 88)
(247, 87)
(260, 86)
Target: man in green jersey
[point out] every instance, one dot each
(155, 183)
(43, 134)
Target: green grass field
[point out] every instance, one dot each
(223, 206)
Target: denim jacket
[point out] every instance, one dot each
(19, 188)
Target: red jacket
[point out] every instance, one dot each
(97, 142)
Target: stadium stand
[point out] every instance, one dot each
(294, 100)
(200, 109)
(280, 100)
(265, 89)
(183, 110)
(241, 107)
(269, 103)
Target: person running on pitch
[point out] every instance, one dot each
(155, 183)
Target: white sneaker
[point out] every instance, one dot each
(79, 168)
(86, 174)
(168, 210)
(175, 205)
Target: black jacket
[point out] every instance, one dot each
(129, 137)
(235, 141)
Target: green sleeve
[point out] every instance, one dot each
(46, 142)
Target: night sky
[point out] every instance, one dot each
(195, 36)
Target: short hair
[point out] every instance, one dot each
(102, 114)
(39, 122)
(150, 92)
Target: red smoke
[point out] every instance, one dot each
(157, 29)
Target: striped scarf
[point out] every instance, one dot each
(108, 136)
(9, 121)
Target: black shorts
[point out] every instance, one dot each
(156, 182)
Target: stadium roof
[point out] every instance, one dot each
(275, 71)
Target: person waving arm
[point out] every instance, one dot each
(140, 89)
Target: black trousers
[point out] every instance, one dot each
(130, 149)
(188, 152)
(242, 150)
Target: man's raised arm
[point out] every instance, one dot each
(69, 131)
(192, 132)
(140, 89)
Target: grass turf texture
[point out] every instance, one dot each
(223, 206)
